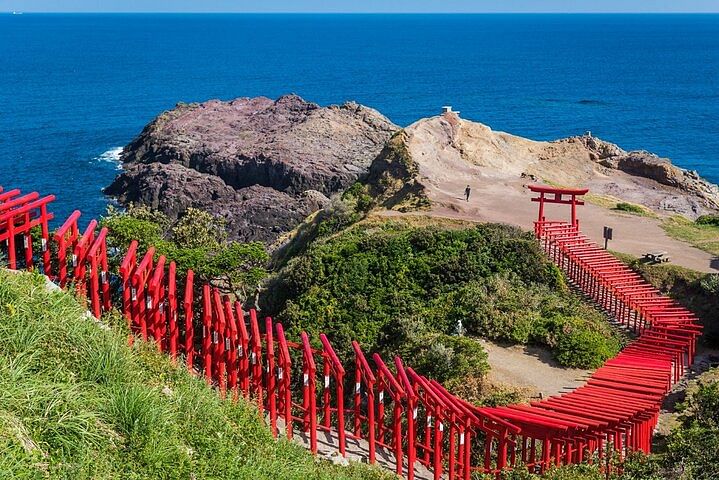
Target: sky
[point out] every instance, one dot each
(364, 6)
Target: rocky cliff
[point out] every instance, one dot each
(262, 164)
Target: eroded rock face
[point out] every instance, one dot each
(262, 164)
(648, 165)
(435, 158)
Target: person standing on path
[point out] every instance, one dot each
(467, 191)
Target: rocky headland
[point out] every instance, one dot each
(262, 164)
(265, 165)
(435, 157)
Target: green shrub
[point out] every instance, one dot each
(693, 447)
(630, 208)
(710, 284)
(581, 348)
(638, 466)
(196, 241)
(443, 356)
(712, 220)
(357, 195)
(136, 223)
(568, 472)
(389, 285)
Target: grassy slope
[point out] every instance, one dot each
(705, 237)
(77, 402)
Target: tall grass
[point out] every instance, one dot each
(76, 402)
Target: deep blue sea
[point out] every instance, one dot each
(75, 88)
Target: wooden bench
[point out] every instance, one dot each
(656, 257)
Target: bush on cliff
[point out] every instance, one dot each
(693, 447)
(197, 241)
(691, 450)
(77, 403)
(374, 279)
(712, 220)
(339, 214)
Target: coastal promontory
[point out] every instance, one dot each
(265, 165)
(262, 164)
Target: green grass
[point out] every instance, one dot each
(601, 200)
(703, 236)
(634, 209)
(613, 203)
(76, 402)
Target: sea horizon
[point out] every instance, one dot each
(359, 13)
(82, 85)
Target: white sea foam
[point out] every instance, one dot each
(112, 156)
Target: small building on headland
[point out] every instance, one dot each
(448, 109)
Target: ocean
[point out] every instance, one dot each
(75, 88)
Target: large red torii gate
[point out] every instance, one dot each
(564, 196)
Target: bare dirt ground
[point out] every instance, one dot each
(453, 153)
(508, 201)
(532, 367)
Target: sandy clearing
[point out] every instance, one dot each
(508, 201)
(452, 153)
(534, 367)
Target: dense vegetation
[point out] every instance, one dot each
(76, 402)
(693, 447)
(396, 288)
(708, 220)
(400, 288)
(197, 241)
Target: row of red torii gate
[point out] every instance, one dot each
(386, 412)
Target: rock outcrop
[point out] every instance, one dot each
(434, 158)
(265, 165)
(262, 164)
(641, 163)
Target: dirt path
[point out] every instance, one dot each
(357, 451)
(451, 153)
(532, 367)
(508, 201)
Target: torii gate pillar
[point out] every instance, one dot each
(564, 196)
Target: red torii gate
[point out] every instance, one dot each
(614, 412)
(18, 216)
(549, 194)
